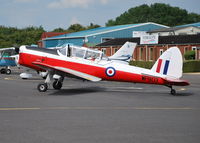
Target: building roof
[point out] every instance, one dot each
(175, 39)
(100, 30)
(192, 24)
(51, 34)
(171, 29)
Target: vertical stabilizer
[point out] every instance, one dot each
(170, 63)
(124, 53)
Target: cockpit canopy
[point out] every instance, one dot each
(81, 52)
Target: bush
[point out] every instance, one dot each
(189, 55)
(191, 66)
(142, 64)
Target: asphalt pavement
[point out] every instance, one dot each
(102, 112)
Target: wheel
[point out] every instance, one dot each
(57, 84)
(3, 71)
(42, 87)
(173, 92)
(8, 71)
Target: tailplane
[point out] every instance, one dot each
(170, 63)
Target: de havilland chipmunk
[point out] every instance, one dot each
(88, 64)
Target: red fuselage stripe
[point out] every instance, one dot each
(27, 60)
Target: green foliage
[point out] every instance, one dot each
(191, 66)
(189, 55)
(10, 36)
(158, 13)
(79, 27)
(59, 30)
(76, 28)
(142, 64)
(92, 26)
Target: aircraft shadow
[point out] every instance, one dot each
(77, 91)
(184, 94)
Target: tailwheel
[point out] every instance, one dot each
(57, 85)
(173, 91)
(8, 71)
(42, 87)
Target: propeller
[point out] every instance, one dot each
(17, 49)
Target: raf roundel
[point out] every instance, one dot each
(110, 71)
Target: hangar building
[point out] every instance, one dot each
(151, 52)
(99, 35)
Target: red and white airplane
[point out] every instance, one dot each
(88, 64)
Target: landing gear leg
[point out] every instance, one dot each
(42, 87)
(173, 91)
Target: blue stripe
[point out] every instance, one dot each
(166, 67)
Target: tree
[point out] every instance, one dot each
(75, 28)
(10, 36)
(59, 30)
(158, 13)
(92, 26)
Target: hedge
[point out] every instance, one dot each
(188, 66)
(191, 66)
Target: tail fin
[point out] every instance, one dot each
(124, 53)
(170, 63)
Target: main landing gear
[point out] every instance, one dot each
(57, 84)
(5, 71)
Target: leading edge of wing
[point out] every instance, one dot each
(70, 71)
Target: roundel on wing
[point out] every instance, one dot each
(110, 71)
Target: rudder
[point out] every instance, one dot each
(170, 63)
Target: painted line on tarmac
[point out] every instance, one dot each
(8, 78)
(98, 108)
(17, 109)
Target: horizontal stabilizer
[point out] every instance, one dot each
(176, 82)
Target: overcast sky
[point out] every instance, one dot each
(51, 14)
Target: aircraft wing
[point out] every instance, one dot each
(70, 71)
(177, 82)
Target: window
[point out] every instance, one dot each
(151, 54)
(103, 51)
(185, 49)
(141, 53)
(194, 48)
(78, 52)
(115, 50)
(92, 55)
(161, 51)
(63, 51)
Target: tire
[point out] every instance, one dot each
(8, 71)
(3, 71)
(42, 87)
(173, 92)
(57, 85)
